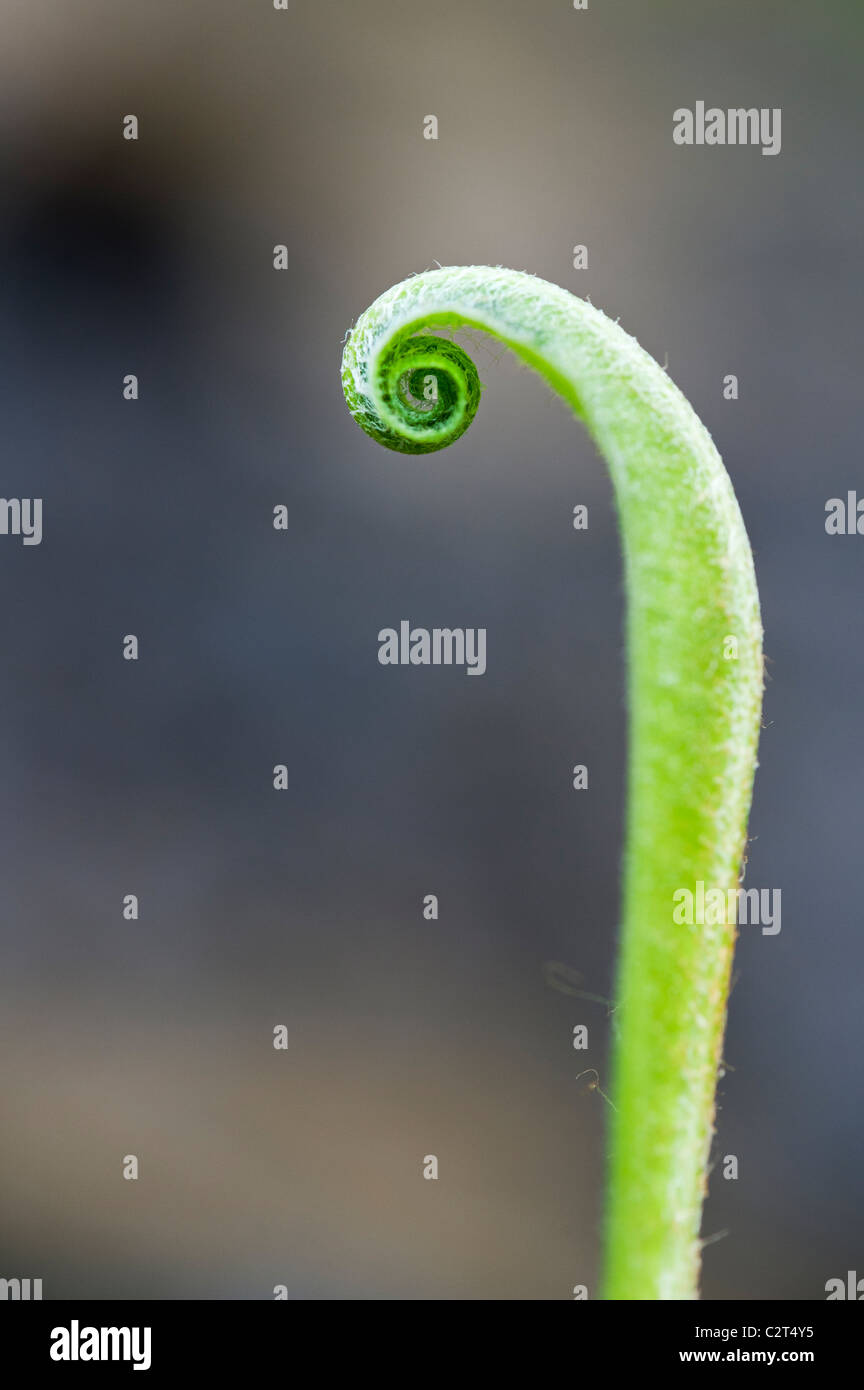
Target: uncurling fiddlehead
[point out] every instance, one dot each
(694, 684)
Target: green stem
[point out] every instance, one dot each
(694, 704)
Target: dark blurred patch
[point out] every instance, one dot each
(87, 243)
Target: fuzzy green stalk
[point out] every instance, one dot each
(694, 698)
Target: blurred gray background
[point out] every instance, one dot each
(154, 1037)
